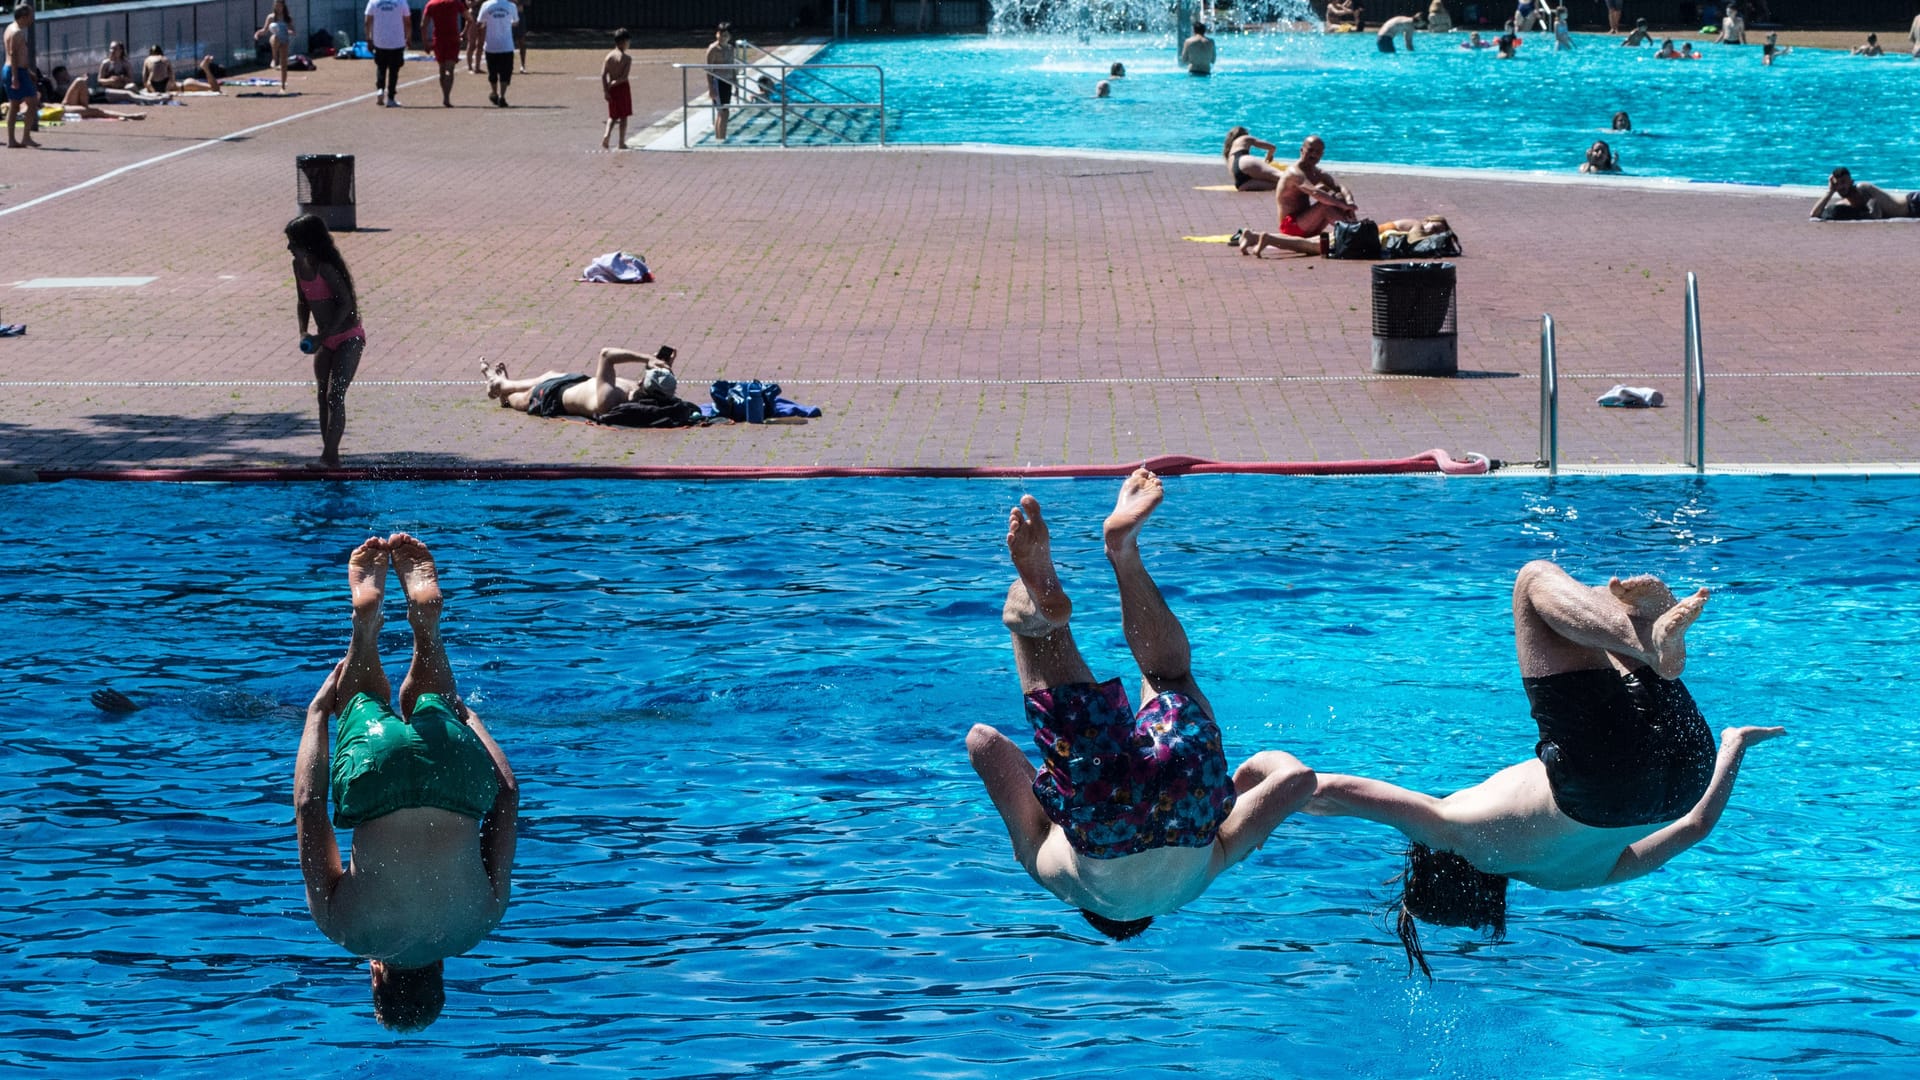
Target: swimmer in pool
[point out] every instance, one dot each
(430, 799)
(1639, 35)
(1848, 201)
(1622, 122)
(1600, 158)
(1625, 775)
(1399, 24)
(1133, 815)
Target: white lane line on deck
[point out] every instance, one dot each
(83, 282)
(169, 155)
(1199, 380)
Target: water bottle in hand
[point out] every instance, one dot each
(308, 344)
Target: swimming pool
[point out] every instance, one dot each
(1721, 118)
(751, 842)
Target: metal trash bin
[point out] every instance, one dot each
(326, 189)
(1414, 328)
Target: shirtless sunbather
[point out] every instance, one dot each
(1310, 199)
(1134, 814)
(1847, 201)
(561, 393)
(428, 794)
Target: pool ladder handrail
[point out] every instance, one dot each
(1694, 393)
(794, 102)
(1693, 434)
(1549, 398)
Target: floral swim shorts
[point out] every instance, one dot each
(1119, 783)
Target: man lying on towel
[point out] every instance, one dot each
(559, 393)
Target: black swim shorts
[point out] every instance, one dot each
(1621, 750)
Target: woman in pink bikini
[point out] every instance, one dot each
(326, 292)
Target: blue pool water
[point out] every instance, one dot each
(751, 843)
(1722, 118)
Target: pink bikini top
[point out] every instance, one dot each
(314, 288)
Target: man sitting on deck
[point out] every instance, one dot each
(429, 796)
(1134, 815)
(560, 393)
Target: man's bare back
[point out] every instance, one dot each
(618, 66)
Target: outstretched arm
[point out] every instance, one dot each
(1008, 776)
(1412, 812)
(500, 829)
(319, 851)
(1269, 786)
(1653, 852)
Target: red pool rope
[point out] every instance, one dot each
(1166, 465)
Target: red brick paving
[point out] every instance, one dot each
(943, 308)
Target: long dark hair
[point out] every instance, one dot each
(311, 233)
(1232, 134)
(1442, 888)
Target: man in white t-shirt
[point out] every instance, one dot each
(497, 20)
(389, 31)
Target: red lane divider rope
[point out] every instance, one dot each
(1166, 465)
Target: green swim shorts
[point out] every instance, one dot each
(382, 763)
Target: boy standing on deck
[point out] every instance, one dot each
(22, 93)
(719, 86)
(614, 86)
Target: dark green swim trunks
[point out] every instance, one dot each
(382, 763)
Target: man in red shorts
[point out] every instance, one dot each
(614, 86)
(1310, 200)
(444, 34)
(445, 31)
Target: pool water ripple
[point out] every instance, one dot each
(751, 843)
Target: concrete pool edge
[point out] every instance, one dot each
(1430, 463)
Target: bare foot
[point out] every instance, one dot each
(1139, 496)
(1028, 541)
(329, 461)
(414, 563)
(1647, 596)
(493, 375)
(367, 577)
(1670, 635)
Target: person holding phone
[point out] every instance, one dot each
(561, 393)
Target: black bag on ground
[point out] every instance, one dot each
(646, 413)
(1441, 245)
(1355, 240)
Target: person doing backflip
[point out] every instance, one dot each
(429, 795)
(1133, 814)
(1624, 776)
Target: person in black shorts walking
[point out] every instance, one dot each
(497, 21)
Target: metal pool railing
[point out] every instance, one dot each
(1694, 394)
(796, 98)
(1549, 398)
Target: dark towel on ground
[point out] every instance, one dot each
(12, 329)
(545, 399)
(650, 413)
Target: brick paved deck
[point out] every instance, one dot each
(943, 308)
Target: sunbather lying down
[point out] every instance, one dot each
(560, 393)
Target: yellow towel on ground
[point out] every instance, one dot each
(1223, 238)
(1215, 187)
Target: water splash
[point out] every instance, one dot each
(1161, 18)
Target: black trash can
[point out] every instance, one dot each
(1413, 319)
(326, 189)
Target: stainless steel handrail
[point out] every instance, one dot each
(1549, 398)
(1694, 421)
(792, 112)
